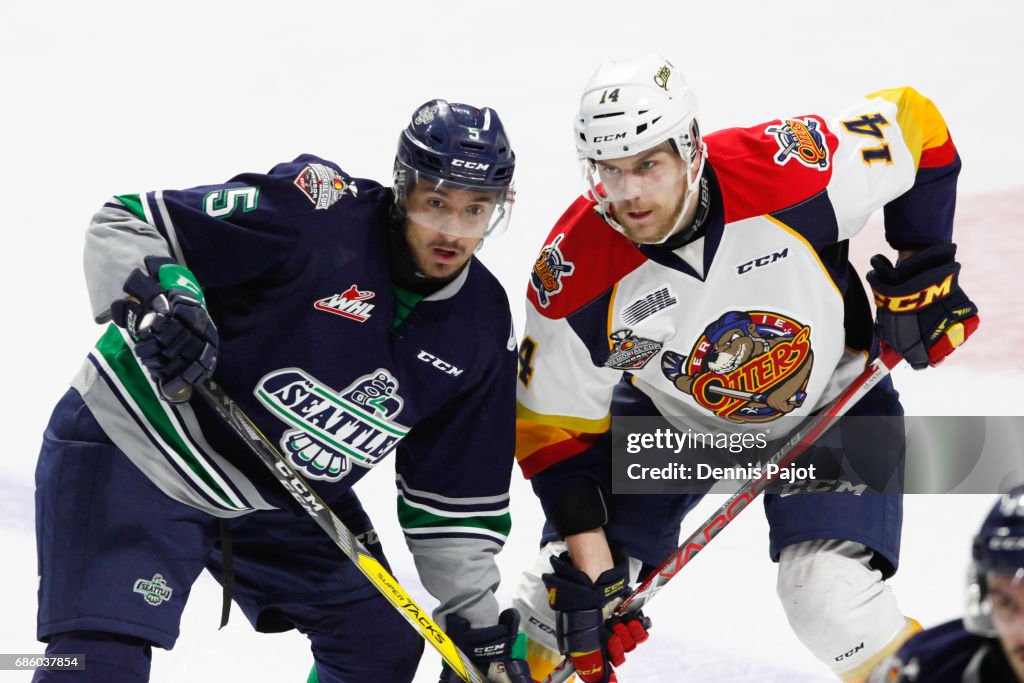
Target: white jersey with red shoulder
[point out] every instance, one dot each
(760, 317)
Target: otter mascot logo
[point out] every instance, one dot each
(747, 366)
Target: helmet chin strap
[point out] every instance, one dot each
(681, 234)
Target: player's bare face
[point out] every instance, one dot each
(647, 192)
(1006, 593)
(444, 225)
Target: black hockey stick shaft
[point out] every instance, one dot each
(374, 571)
(798, 443)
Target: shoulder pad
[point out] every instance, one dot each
(582, 257)
(765, 168)
(321, 182)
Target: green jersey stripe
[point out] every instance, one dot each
(412, 518)
(133, 203)
(123, 364)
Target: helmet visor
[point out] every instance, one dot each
(457, 209)
(652, 174)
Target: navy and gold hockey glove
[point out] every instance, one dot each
(497, 651)
(165, 313)
(586, 634)
(921, 310)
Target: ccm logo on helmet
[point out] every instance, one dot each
(470, 165)
(609, 138)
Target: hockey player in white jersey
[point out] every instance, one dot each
(706, 279)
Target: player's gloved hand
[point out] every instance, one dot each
(583, 606)
(166, 315)
(921, 310)
(495, 650)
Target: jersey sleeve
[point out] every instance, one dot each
(563, 410)
(226, 234)
(563, 399)
(453, 474)
(895, 152)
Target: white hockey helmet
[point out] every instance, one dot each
(630, 107)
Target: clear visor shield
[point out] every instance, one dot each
(1000, 607)
(454, 208)
(635, 180)
(1005, 594)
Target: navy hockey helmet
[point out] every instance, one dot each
(999, 544)
(457, 146)
(998, 549)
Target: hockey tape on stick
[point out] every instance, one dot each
(301, 491)
(798, 443)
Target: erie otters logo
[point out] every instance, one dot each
(801, 140)
(332, 429)
(323, 186)
(548, 271)
(630, 352)
(748, 366)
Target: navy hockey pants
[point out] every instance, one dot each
(117, 560)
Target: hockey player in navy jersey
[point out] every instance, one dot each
(351, 321)
(706, 280)
(987, 646)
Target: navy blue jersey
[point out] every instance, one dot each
(946, 654)
(294, 265)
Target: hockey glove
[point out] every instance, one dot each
(921, 310)
(594, 642)
(165, 314)
(495, 650)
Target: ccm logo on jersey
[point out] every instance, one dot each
(470, 164)
(444, 366)
(912, 302)
(761, 261)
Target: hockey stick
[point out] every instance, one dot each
(798, 443)
(381, 579)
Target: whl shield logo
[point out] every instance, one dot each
(350, 304)
(333, 430)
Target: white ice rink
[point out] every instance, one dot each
(106, 98)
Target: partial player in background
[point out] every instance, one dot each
(987, 646)
(706, 280)
(350, 321)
